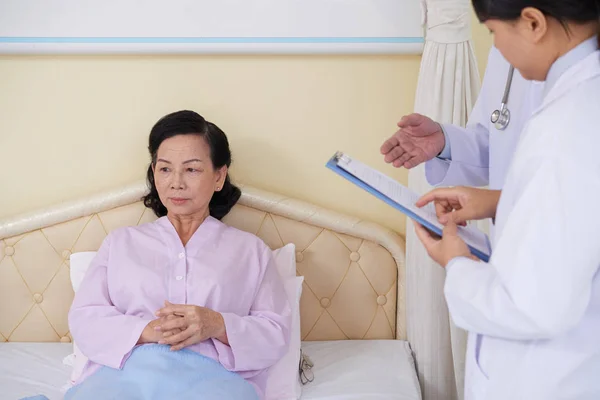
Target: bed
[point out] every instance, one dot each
(353, 308)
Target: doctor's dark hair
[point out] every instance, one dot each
(190, 123)
(577, 11)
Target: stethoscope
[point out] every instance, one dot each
(501, 118)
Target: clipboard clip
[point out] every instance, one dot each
(340, 156)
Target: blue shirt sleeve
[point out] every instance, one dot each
(446, 154)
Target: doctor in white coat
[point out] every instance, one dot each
(479, 154)
(533, 311)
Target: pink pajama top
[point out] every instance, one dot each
(221, 268)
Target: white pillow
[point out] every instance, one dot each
(285, 259)
(283, 382)
(79, 263)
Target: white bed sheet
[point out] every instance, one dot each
(361, 370)
(344, 370)
(29, 369)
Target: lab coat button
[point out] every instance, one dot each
(181, 255)
(179, 277)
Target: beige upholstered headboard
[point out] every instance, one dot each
(354, 270)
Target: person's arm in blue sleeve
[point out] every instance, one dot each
(453, 155)
(465, 157)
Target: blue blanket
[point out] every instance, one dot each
(153, 372)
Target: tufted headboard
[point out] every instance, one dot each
(354, 270)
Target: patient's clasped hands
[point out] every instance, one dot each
(454, 206)
(182, 325)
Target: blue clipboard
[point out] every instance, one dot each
(332, 164)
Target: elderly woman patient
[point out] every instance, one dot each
(184, 307)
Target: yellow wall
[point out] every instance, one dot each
(72, 126)
(482, 41)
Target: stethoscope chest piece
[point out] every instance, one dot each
(501, 118)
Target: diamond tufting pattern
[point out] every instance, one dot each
(350, 288)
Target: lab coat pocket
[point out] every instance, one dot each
(477, 354)
(476, 382)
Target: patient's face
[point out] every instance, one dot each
(184, 175)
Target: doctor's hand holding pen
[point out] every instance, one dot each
(419, 139)
(455, 206)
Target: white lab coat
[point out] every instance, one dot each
(481, 154)
(533, 311)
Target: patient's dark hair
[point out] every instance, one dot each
(191, 123)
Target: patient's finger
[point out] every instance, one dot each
(177, 309)
(178, 337)
(188, 342)
(169, 317)
(174, 323)
(171, 333)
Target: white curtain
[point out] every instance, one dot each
(447, 89)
